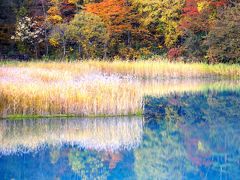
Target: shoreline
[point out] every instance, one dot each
(97, 88)
(65, 116)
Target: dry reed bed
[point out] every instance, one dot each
(160, 68)
(108, 134)
(87, 88)
(28, 90)
(163, 69)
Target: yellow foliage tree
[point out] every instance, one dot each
(163, 16)
(54, 14)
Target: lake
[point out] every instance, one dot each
(180, 136)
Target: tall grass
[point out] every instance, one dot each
(160, 68)
(164, 69)
(95, 87)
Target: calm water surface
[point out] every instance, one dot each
(187, 136)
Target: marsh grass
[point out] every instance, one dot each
(93, 88)
(166, 70)
(153, 68)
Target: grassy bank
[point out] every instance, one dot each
(93, 88)
(141, 69)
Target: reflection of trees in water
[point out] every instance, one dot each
(54, 155)
(88, 164)
(160, 154)
(96, 133)
(197, 136)
(215, 132)
(84, 148)
(62, 163)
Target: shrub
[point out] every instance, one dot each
(174, 53)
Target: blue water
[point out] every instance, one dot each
(187, 136)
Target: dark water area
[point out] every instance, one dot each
(180, 136)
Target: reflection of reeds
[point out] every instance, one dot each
(83, 88)
(99, 133)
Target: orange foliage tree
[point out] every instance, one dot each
(114, 13)
(123, 26)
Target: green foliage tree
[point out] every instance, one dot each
(223, 39)
(193, 46)
(89, 32)
(59, 36)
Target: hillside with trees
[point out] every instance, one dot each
(186, 30)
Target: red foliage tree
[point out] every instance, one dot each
(174, 53)
(198, 14)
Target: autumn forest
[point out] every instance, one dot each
(120, 89)
(185, 30)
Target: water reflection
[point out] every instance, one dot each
(90, 133)
(191, 136)
(182, 136)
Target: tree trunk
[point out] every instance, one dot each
(105, 50)
(80, 51)
(36, 50)
(64, 48)
(46, 42)
(129, 39)
(45, 30)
